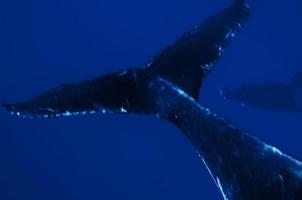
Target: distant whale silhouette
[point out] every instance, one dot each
(242, 167)
(272, 96)
(297, 80)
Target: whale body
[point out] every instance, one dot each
(242, 166)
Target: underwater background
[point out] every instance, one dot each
(47, 43)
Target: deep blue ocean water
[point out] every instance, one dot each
(46, 43)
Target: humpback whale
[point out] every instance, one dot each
(243, 167)
(271, 96)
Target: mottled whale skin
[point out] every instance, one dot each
(243, 167)
(270, 96)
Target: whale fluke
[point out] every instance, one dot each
(117, 92)
(187, 62)
(184, 63)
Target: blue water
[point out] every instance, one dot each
(46, 43)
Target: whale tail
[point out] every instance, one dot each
(111, 93)
(187, 62)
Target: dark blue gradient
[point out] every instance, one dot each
(47, 43)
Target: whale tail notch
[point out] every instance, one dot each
(185, 63)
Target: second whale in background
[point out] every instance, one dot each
(271, 95)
